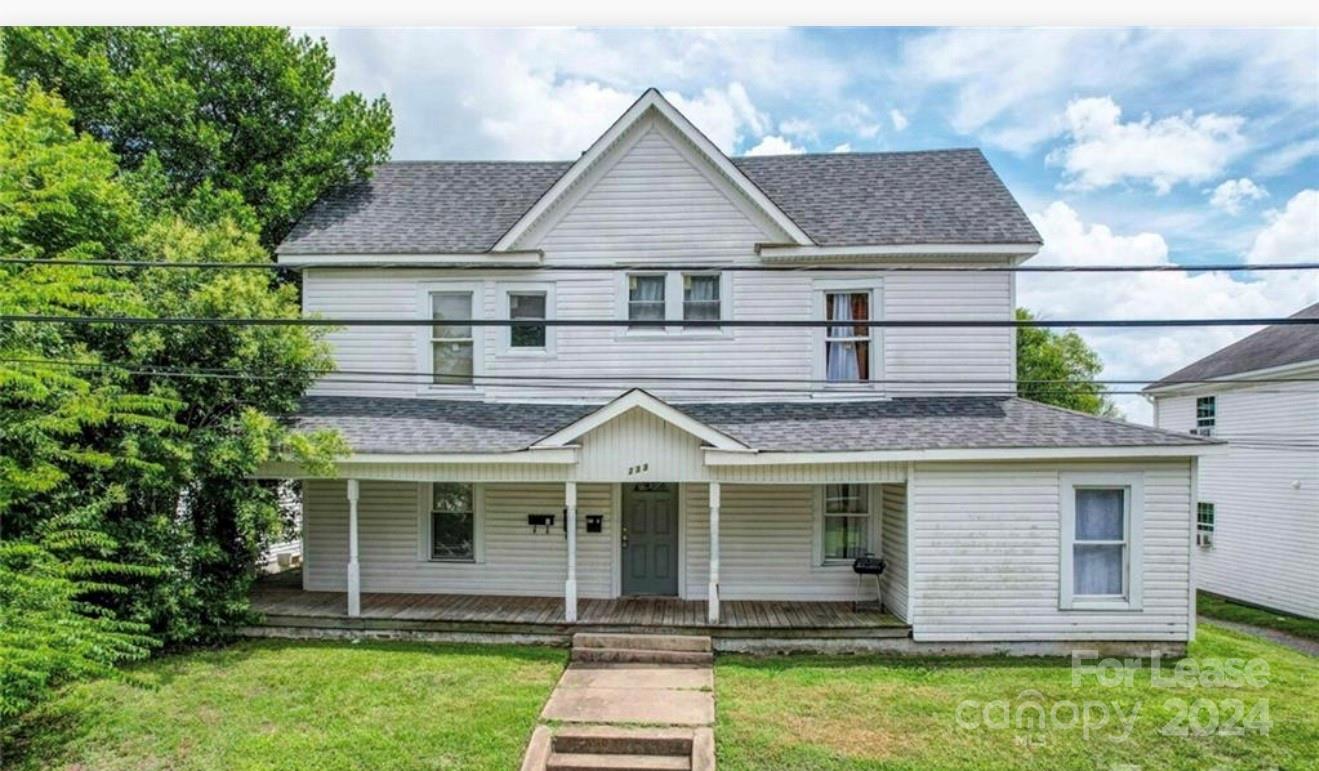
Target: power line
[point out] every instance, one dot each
(1215, 267)
(695, 323)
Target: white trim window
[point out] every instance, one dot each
(701, 299)
(1206, 415)
(1204, 524)
(528, 305)
(452, 347)
(646, 299)
(1101, 527)
(846, 523)
(451, 522)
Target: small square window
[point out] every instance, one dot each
(700, 298)
(645, 299)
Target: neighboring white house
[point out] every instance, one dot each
(1258, 504)
(727, 463)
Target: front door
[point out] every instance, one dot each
(650, 539)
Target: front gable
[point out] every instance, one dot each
(653, 175)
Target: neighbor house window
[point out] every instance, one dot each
(1204, 524)
(527, 305)
(847, 346)
(452, 345)
(846, 527)
(1100, 560)
(1206, 412)
(452, 522)
(645, 298)
(700, 298)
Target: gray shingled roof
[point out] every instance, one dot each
(411, 426)
(1273, 346)
(841, 199)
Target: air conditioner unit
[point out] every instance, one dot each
(1204, 540)
(1203, 431)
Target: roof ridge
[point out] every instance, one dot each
(865, 153)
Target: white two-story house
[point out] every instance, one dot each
(1257, 516)
(693, 418)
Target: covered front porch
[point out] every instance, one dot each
(282, 604)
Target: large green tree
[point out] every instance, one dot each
(1059, 368)
(247, 109)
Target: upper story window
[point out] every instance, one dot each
(645, 297)
(452, 346)
(1100, 544)
(700, 297)
(527, 305)
(847, 346)
(1206, 413)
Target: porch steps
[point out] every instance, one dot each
(616, 748)
(642, 648)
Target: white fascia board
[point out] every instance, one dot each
(638, 398)
(530, 258)
(717, 457)
(792, 252)
(565, 455)
(1236, 378)
(650, 100)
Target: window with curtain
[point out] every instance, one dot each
(847, 346)
(700, 298)
(526, 305)
(1100, 542)
(645, 299)
(453, 522)
(846, 529)
(451, 345)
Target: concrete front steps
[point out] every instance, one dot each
(642, 648)
(613, 748)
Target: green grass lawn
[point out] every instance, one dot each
(869, 712)
(285, 704)
(1213, 606)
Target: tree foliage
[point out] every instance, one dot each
(246, 109)
(1059, 368)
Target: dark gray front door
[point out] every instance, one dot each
(650, 539)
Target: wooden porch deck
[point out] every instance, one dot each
(282, 606)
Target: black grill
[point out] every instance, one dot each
(869, 565)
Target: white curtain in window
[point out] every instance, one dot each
(1098, 569)
(646, 298)
(841, 358)
(1099, 521)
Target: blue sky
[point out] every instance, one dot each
(1128, 146)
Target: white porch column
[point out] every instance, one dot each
(354, 574)
(714, 553)
(570, 522)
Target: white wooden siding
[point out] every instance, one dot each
(985, 557)
(658, 203)
(1266, 501)
(894, 548)
(517, 562)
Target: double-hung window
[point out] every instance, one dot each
(1204, 524)
(845, 530)
(1206, 414)
(527, 306)
(452, 346)
(847, 345)
(645, 299)
(452, 522)
(1100, 545)
(700, 297)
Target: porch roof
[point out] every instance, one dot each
(374, 425)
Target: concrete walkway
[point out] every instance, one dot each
(618, 694)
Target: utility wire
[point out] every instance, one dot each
(1215, 267)
(696, 323)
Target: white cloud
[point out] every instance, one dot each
(775, 145)
(800, 128)
(1286, 158)
(843, 148)
(724, 115)
(1229, 195)
(1147, 353)
(899, 120)
(1292, 234)
(1105, 151)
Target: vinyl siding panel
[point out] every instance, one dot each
(986, 555)
(894, 549)
(1266, 500)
